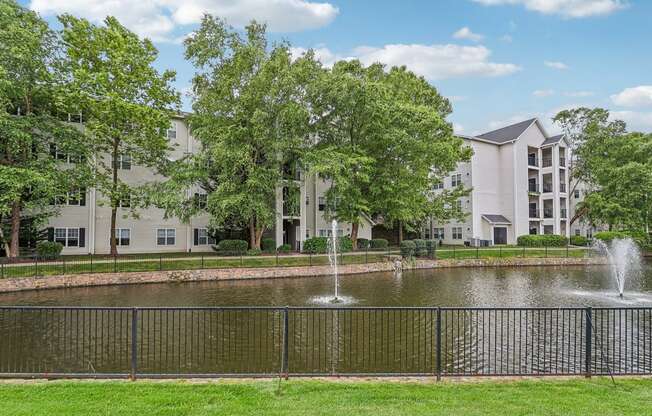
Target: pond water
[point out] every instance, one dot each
(214, 334)
(476, 287)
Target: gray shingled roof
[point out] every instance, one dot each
(496, 219)
(507, 134)
(552, 140)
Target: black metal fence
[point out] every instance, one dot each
(310, 341)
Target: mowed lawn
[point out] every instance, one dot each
(597, 396)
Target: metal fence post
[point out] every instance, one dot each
(2, 270)
(277, 257)
(35, 266)
(366, 255)
(310, 257)
(202, 260)
(566, 250)
(241, 261)
(524, 252)
(134, 343)
(500, 252)
(438, 342)
(115, 263)
(589, 341)
(453, 252)
(546, 251)
(477, 252)
(91, 256)
(160, 262)
(286, 338)
(63, 259)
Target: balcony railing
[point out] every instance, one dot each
(562, 187)
(532, 161)
(547, 161)
(533, 187)
(547, 187)
(547, 213)
(534, 213)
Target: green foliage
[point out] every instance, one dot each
(254, 252)
(431, 246)
(231, 247)
(542, 240)
(378, 243)
(642, 239)
(268, 245)
(48, 250)
(315, 245)
(344, 244)
(579, 240)
(421, 248)
(363, 243)
(408, 248)
(284, 248)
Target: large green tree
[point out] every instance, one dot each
(127, 106)
(32, 133)
(383, 142)
(251, 120)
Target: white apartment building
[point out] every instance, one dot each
(519, 180)
(83, 223)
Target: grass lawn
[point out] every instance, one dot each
(312, 397)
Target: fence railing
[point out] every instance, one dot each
(35, 267)
(314, 341)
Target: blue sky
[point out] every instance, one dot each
(499, 61)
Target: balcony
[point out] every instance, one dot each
(533, 188)
(563, 213)
(534, 213)
(532, 161)
(547, 213)
(562, 187)
(547, 187)
(547, 162)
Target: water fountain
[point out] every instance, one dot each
(624, 260)
(332, 259)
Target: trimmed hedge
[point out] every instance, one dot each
(315, 245)
(421, 248)
(542, 240)
(284, 248)
(48, 250)
(408, 248)
(378, 243)
(268, 245)
(579, 240)
(231, 246)
(431, 246)
(363, 243)
(344, 244)
(254, 252)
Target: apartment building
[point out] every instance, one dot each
(519, 180)
(83, 223)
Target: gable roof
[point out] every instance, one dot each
(496, 219)
(552, 140)
(508, 133)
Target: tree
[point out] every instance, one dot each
(383, 142)
(32, 84)
(127, 106)
(251, 120)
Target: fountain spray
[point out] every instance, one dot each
(332, 257)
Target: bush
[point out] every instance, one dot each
(284, 248)
(254, 252)
(344, 244)
(579, 240)
(315, 245)
(542, 240)
(363, 243)
(408, 248)
(48, 250)
(431, 246)
(268, 245)
(421, 249)
(639, 237)
(231, 247)
(378, 243)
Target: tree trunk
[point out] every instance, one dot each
(114, 246)
(15, 230)
(252, 233)
(400, 232)
(354, 235)
(114, 202)
(259, 236)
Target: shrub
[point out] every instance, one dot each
(344, 244)
(315, 245)
(378, 243)
(542, 240)
(48, 250)
(254, 252)
(421, 249)
(638, 236)
(284, 248)
(431, 246)
(363, 243)
(268, 245)
(408, 248)
(231, 247)
(579, 240)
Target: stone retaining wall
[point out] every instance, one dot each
(125, 278)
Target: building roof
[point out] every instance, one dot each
(496, 219)
(508, 133)
(552, 140)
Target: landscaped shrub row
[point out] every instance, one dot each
(231, 247)
(378, 243)
(48, 250)
(418, 248)
(579, 240)
(268, 245)
(319, 245)
(542, 240)
(643, 240)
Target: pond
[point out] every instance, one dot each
(495, 321)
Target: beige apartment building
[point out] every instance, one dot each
(83, 223)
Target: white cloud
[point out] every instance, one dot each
(636, 120)
(457, 98)
(565, 8)
(157, 19)
(579, 94)
(434, 62)
(466, 33)
(555, 65)
(634, 97)
(543, 93)
(458, 128)
(507, 38)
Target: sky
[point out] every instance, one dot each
(498, 61)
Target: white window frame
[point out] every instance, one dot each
(456, 180)
(170, 234)
(124, 162)
(66, 238)
(118, 237)
(200, 231)
(321, 203)
(457, 233)
(438, 233)
(202, 200)
(122, 204)
(438, 185)
(171, 133)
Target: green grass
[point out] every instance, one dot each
(294, 397)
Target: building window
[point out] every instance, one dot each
(576, 193)
(307, 233)
(456, 180)
(202, 200)
(122, 236)
(457, 233)
(73, 198)
(172, 131)
(57, 154)
(438, 185)
(548, 229)
(125, 201)
(323, 233)
(438, 234)
(202, 237)
(124, 162)
(458, 204)
(577, 231)
(166, 236)
(67, 237)
(322, 203)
